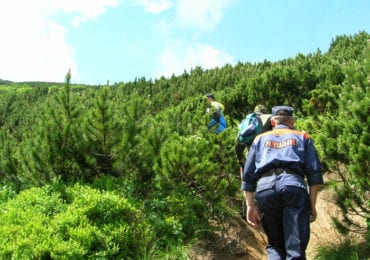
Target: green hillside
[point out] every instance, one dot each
(129, 170)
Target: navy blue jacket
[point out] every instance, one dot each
(282, 147)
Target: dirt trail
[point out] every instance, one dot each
(240, 241)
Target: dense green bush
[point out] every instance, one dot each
(82, 223)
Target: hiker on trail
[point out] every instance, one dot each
(218, 119)
(262, 125)
(277, 165)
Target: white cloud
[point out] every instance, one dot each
(83, 10)
(182, 56)
(192, 14)
(33, 45)
(204, 14)
(153, 6)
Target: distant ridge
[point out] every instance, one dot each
(3, 82)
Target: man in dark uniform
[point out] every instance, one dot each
(274, 174)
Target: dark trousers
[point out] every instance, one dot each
(285, 220)
(239, 151)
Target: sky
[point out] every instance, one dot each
(111, 41)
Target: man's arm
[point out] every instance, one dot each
(314, 175)
(313, 190)
(253, 215)
(213, 122)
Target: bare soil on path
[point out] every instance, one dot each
(240, 241)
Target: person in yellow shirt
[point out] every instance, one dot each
(218, 118)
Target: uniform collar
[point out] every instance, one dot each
(282, 126)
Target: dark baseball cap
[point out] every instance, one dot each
(209, 95)
(282, 111)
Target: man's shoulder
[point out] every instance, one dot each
(265, 116)
(215, 103)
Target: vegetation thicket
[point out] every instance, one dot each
(129, 171)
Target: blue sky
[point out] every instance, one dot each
(120, 40)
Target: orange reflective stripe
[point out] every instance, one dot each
(283, 131)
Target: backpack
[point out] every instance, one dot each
(250, 127)
(266, 122)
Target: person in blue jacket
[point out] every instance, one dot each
(278, 165)
(218, 119)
